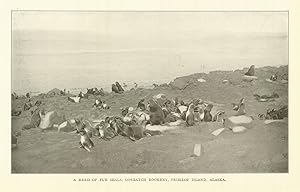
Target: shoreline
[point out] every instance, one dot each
(147, 84)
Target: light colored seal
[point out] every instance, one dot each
(85, 141)
(190, 117)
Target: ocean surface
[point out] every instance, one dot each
(44, 60)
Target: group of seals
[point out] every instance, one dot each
(275, 114)
(117, 88)
(101, 104)
(95, 91)
(266, 98)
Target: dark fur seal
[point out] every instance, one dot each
(38, 103)
(156, 113)
(250, 72)
(114, 88)
(141, 105)
(207, 114)
(27, 105)
(119, 87)
(274, 77)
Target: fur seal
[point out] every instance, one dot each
(38, 103)
(250, 72)
(49, 119)
(156, 113)
(207, 115)
(80, 95)
(266, 98)
(274, 77)
(27, 105)
(242, 109)
(15, 112)
(218, 116)
(86, 126)
(135, 85)
(196, 113)
(28, 95)
(201, 113)
(85, 141)
(235, 106)
(141, 105)
(190, 118)
(14, 141)
(119, 87)
(98, 103)
(74, 99)
(114, 88)
(106, 131)
(104, 105)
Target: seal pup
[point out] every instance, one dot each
(97, 103)
(274, 77)
(15, 112)
(14, 141)
(104, 105)
(156, 113)
(38, 103)
(80, 95)
(74, 99)
(82, 125)
(250, 72)
(119, 87)
(85, 141)
(241, 109)
(141, 105)
(218, 116)
(27, 105)
(235, 106)
(190, 117)
(155, 85)
(207, 115)
(114, 88)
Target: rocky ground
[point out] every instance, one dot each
(262, 148)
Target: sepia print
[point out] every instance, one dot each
(149, 92)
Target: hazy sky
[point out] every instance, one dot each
(100, 46)
(137, 22)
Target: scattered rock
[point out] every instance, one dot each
(238, 129)
(249, 78)
(273, 121)
(187, 160)
(242, 119)
(201, 80)
(197, 150)
(218, 131)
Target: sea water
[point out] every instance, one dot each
(40, 63)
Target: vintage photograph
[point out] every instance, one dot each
(149, 91)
